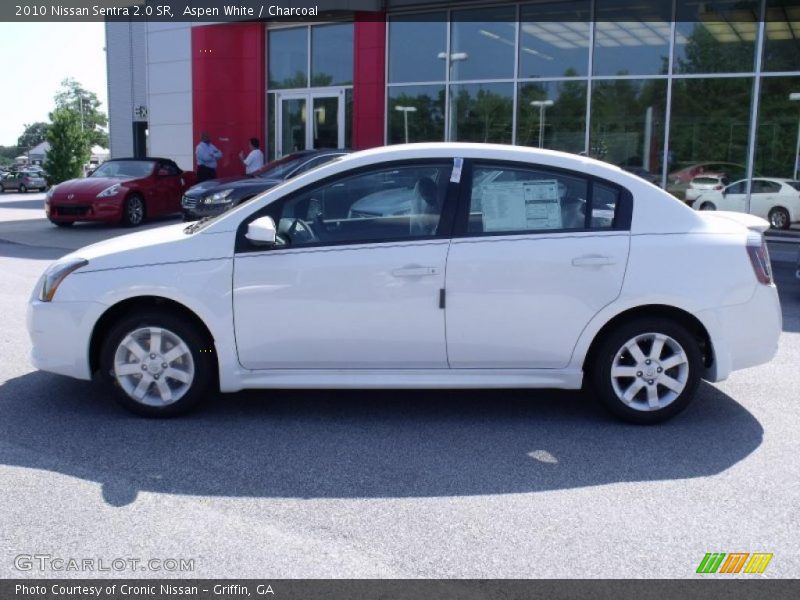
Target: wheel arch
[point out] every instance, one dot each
(673, 313)
(125, 307)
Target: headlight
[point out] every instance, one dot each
(109, 191)
(50, 193)
(218, 197)
(55, 274)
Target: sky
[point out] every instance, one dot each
(37, 57)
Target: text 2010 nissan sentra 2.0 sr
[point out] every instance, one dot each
(465, 266)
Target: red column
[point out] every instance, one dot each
(369, 80)
(228, 89)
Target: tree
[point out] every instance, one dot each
(34, 134)
(74, 97)
(69, 146)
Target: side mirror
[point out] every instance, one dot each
(262, 231)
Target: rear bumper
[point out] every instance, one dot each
(744, 335)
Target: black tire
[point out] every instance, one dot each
(200, 349)
(133, 211)
(23, 189)
(606, 353)
(708, 206)
(63, 223)
(2, 189)
(779, 218)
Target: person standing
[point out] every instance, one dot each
(254, 160)
(207, 155)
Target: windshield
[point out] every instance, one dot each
(124, 168)
(707, 180)
(279, 169)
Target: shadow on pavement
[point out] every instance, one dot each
(14, 250)
(361, 444)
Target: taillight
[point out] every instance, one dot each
(759, 258)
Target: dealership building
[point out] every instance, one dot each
(664, 89)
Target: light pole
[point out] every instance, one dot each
(542, 104)
(796, 96)
(405, 110)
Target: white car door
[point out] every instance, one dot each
(734, 197)
(764, 197)
(528, 269)
(348, 292)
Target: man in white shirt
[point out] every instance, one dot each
(207, 155)
(253, 161)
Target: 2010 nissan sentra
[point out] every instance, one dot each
(504, 267)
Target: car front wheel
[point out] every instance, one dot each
(158, 362)
(133, 211)
(23, 189)
(647, 370)
(707, 206)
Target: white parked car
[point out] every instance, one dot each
(705, 183)
(561, 271)
(771, 198)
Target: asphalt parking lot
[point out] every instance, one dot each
(364, 484)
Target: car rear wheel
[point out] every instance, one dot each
(158, 362)
(708, 206)
(133, 211)
(23, 189)
(647, 370)
(779, 218)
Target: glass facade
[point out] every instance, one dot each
(666, 90)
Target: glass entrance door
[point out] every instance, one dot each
(309, 120)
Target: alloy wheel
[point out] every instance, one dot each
(135, 209)
(154, 366)
(649, 372)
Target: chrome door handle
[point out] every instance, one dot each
(415, 271)
(593, 261)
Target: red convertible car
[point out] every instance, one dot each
(123, 190)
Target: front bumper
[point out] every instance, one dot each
(193, 208)
(96, 210)
(60, 333)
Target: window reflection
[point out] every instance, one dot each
(782, 47)
(482, 44)
(554, 39)
(288, 58)
(552, 115)
(715, 37)
(708, 130)
(415, 46)
(631, 38)
(416, 114)
(628, 125)
(332, 55)
(778, 127)
(481, 112)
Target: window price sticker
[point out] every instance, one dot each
(455, 175)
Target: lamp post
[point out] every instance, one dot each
(405, 110)
(542, 104)
(796, 96)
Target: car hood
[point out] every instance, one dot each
(237, 183)
(169, 244)
(89, 185)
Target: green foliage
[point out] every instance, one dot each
(34, 134)
(73, 97)
(69, 146)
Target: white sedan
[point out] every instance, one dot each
(559, 272)
(771, 198)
